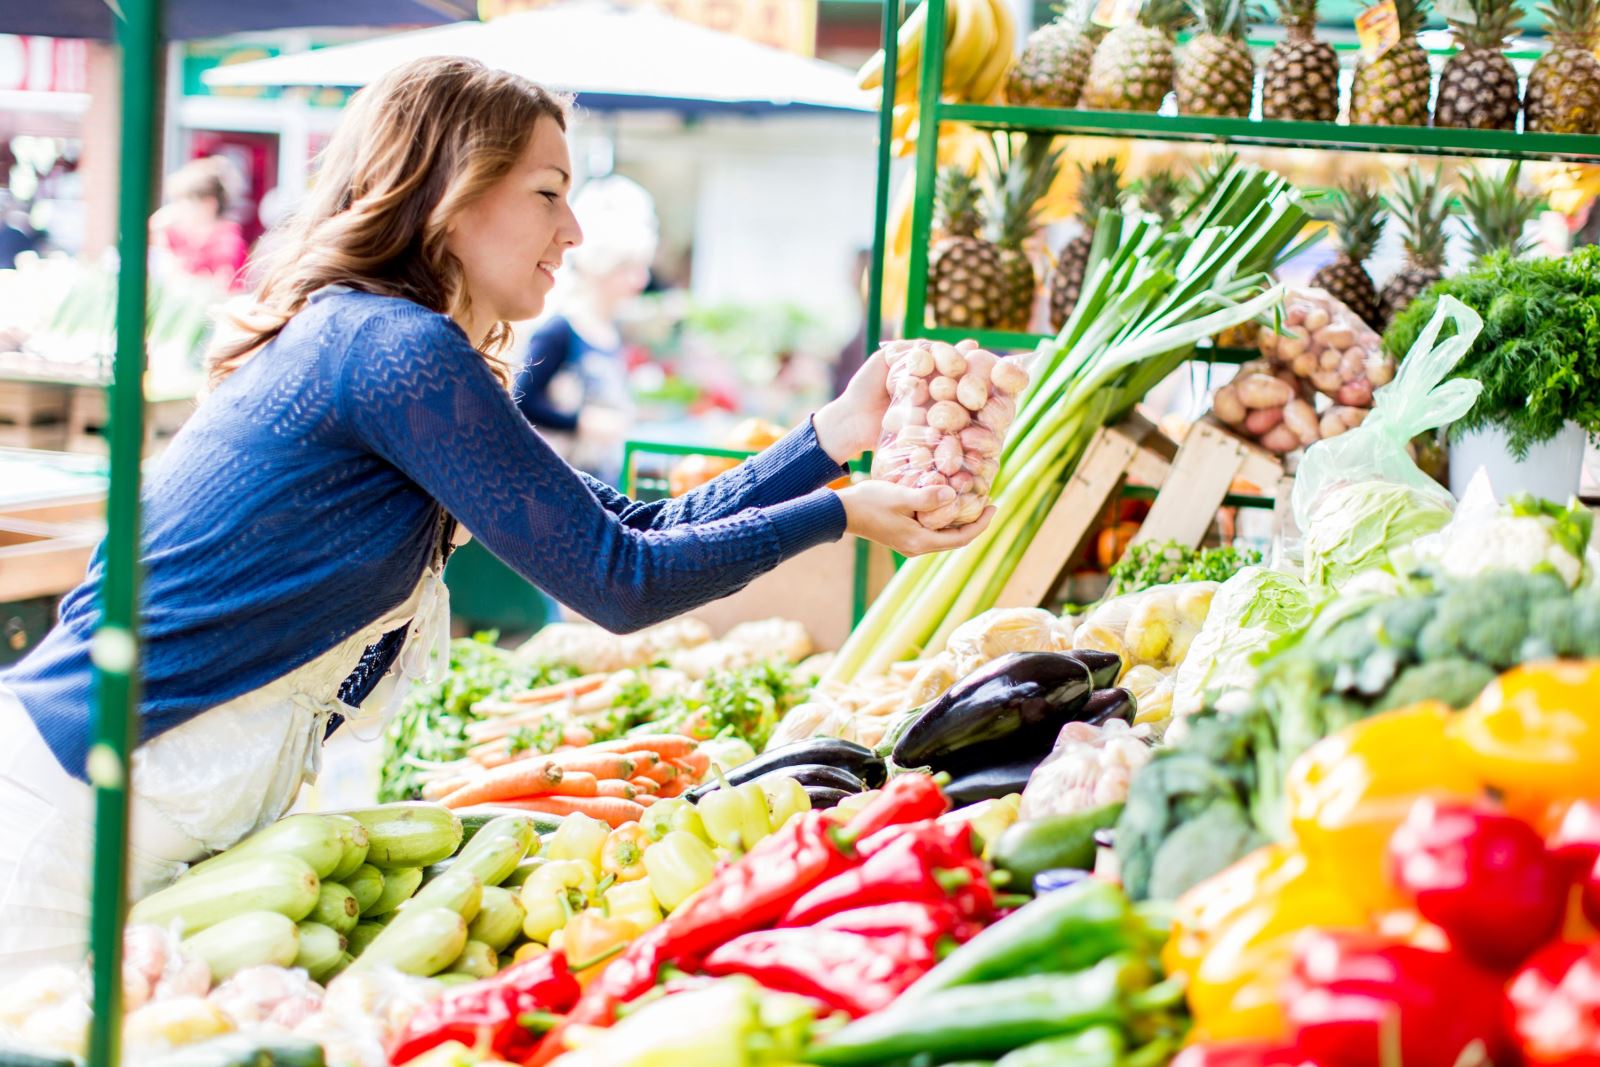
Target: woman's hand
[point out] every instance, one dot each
(887, 513)
(849, 425)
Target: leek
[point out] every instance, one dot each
(1152, 293)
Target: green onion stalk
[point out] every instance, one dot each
(1153, 293)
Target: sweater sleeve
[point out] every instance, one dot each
(790, 469)
(548, 349)
(415, 392)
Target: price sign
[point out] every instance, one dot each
(1378, 28)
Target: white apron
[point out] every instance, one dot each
(199, 787)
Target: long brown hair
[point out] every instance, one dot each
(413, 149)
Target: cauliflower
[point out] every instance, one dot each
(1526, 535)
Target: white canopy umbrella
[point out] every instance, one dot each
(611, 56)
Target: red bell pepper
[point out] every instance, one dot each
(1483, 877)
(921, 862)
(851, 972)
(490, 1014)
(1251, 1053)
(933, 920)
(1356, 1000)
(1576, 841)
(909, 798)
(1554, 1006)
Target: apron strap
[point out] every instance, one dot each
(380, 656)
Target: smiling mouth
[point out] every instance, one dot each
(548, 270)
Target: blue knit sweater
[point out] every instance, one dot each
(302, 501)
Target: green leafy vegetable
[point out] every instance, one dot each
(1355, 526)
(1147, 563)
(1249, 612)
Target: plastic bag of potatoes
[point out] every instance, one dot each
(949, 409)
(1273, 406)
(1324, 343)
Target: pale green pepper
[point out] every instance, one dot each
(786, 798)
(736, 817)
(553, 894)
(673, 813)
(679, 865)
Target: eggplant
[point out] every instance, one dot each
(1022, 699)
(809, 774)
(1104, 667)
(825, 796)
(859, 760)
(1107, 704)
(990, 783)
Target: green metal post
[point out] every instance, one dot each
(929, 115)
(116, 647)
(880, 226)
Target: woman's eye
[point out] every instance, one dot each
(552, 197)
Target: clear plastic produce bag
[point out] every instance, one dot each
(1152, 628)
(949, 409)
(1327, 345)
(1090, 767)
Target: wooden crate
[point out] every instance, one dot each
(86, 424)
(40, 559)
(33, 414)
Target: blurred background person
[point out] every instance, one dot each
(573, 383)
(192, 233)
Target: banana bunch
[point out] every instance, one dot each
(980, 39)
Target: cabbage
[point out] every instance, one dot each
(1252, 610)
(1355, 526)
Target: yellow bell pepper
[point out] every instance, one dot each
(680, 865)
(786, 798)
(622, 856)
(736, 816)
(1347, 793)
(592, 939)
(579, 837)
(553, 894)
(634, 902)
(1534, 734)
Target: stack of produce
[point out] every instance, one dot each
(1155, 293)
(828, 770)
(1435, 897)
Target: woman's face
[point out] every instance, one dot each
(511, 240)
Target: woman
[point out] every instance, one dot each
(295, 530)
(192, 233)
(574, 379)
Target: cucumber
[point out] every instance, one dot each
(336, 907)
(476, 959)
(321, 948)
(421, 942)
(398, 886)
(366, 885)
(411, 834)
(494, 859)
(242, 1050)
(362, 936)
(515, 824)
(1029, 848)
(310, 837)
(249, 940)
(354, 843)
(284, 884)
(499, 919)
(462, 893)
(521, 871)
(474, 819)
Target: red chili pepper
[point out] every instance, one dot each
(1242, 1054)
(1484, 877)
(850, 972)
(928, 919)
(1554, 1006)
(489, 1014)
(920, 862)
(1576, 842)
(909, 798)
(1356, 1000)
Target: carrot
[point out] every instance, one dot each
(524, 778)
(614, 811)
(599, 764)
(696, 762)
(644, 785)
(616, 787)
(667, 746)
(442, 787)
(576, 736)
(561, 690)
(662, 773)
(577, 784)
(646, 799)
(677, 787)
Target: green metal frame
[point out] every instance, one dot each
(115, 648)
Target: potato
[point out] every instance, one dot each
(981, 441)
(1330, 359)
(971, 507)
(930, 480)
(1292, 347)
(1261, 420)
(980, 362)
(1315, 319)
(940, 517)
(1353, 363)
(967, 345)
(949, 361)
(1304, 365)
(962, 481)
(1008, 377)
(949, 457)
(1380, 372)
(998, 414)
(1227, 405)
(1262, 391)
(1280, 439)
(1355, 394)
(1301, 417)
(942, 388)
(1335, 335)
(1295, 313)
(914, 393)
(919, 361)
(1327, 381)
(926, 436)
(947, 416)
(973, 391)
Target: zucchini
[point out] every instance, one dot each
(410, 834)
(521, 871)
(354, 843)
(1029, 848)
(310, 837)
(281, 883)
(499, 918)
(475, 818)
(362, 936)
(254, 939)
(321, 949)
(516, 825)
(421, 942)
(461, 892)
(244, 1050)
(476, 959)
(366, 885)
(336, 907)
(398, 886)
(494, 860)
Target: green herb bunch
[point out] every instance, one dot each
(1538, 356)
(1148, 564)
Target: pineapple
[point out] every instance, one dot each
(1497, 213)
(1132, 68)
(1300, 80)
(1011, 215)
(1564, 86)
(1055, 61)
(1393, 89)
(1423, 208)
(1099, 188)
(1478, 89)
(963, 269)
(1162, 194)
(1217, 75)
(1358, 217)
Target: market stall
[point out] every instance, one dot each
(1323, 800)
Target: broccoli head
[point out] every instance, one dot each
(1485, 618)
(1457, 682)
(1565, 627)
